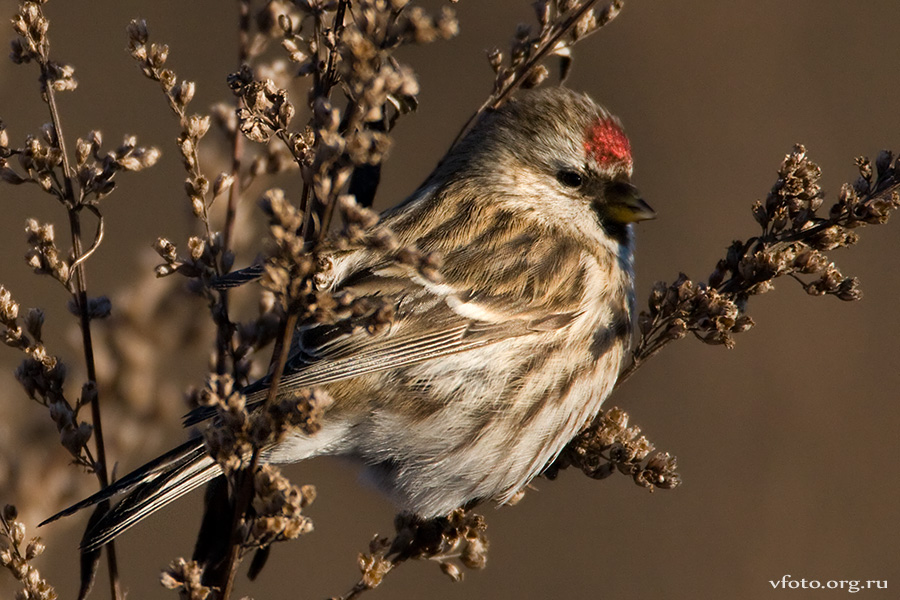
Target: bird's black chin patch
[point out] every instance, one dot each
(614, 228)
(617, 231)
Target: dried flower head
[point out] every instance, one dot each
(458, 537)
(609, 445)
(186, 577)
(16, 557)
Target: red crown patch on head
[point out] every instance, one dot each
(606, 143)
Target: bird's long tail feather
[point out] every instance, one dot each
(148, 489)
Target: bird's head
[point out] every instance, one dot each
(562, 152)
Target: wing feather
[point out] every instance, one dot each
(431, 320)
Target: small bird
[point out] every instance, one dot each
(483, 377)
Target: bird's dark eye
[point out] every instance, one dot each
(570, 179)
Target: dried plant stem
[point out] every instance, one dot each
(281, 355)
(636, 363)
(80, 293)
(242, 498)
(234, 192)
(324, 81)
(357, 590)
(244, 488)
(237, 140)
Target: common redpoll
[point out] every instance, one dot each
(481, 379)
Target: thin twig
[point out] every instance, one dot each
(98, 238)
(281, 355)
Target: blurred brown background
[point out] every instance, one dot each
(787, 444)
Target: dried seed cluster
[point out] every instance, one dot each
(275, 511)
(41, 162)
(31, 26)
(562, 23)
(610, 445)
(299, 278)
(186, 577)
(42, 375)
(44, 255)
(16, 559)
(44, 159)
(792, 242)
(239, 432)
(152, 57)
(458, 539)
(342, 47)
(277, 508)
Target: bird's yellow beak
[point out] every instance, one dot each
(625, 205)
